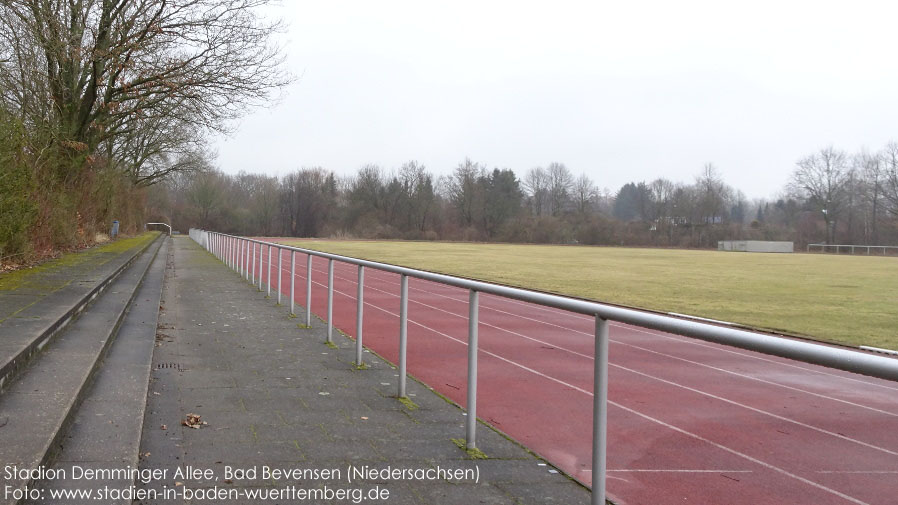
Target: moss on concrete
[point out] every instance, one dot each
(474, 453)
(39, 277)
(408, 403)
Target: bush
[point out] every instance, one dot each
(17, 208)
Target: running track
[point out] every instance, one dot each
(688, 421)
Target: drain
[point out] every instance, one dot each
(176, 366)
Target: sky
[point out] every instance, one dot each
(620, 91)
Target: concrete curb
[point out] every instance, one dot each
(18, 361)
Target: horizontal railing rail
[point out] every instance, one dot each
(853, 247)
(239, 253)
(161, 224)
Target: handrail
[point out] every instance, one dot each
(235, 251)
(808, 352)
(163, 224)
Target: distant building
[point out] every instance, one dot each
(755, 246)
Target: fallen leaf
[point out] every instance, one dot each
(194, 421)
(164, 427)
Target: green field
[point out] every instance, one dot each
(847, 299)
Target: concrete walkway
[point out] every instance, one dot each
(276, 397)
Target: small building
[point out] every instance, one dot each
(767, 246)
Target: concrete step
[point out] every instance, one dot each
(105, 430)
(26, 328)
(37, 407)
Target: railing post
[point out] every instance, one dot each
(253, 269)
(261, 266)
(403, 331)
(360, 305)
(280, 274)
(292, 281)
(246, 259)
(269, 271)
(330, 300)
(309, 290)
(600, 412)
(471, 420)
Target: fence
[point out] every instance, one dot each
(851, 248)
(160, 224)
(239, 253)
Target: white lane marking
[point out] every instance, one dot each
(663, 470)
(561, 348)
(410, 320)
(759, 411)
(676, 338)
(741, 455)
(859, 471)
(721, 348)
(617, 341)
(757, 379)
(632, 411)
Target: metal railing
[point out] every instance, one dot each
(161, 224)
(239, 253)
(837, 248)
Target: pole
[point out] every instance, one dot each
(360, 305)
(403, 332)
(600, 412)
(471, 421)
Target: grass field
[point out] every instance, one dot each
(847, 299)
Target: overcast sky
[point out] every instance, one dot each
(622, 91)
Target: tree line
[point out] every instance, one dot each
(832, 197)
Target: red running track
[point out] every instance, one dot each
(688, 421)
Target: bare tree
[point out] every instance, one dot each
(310, 194)
(713, 194)
(821, 179)
(889, 157)
(464, 191)
(585, 194)
(536, 183)
(156, 148)
(561, 184)
(206, 193)
(92, 70)
(417, 184)
(871, 169)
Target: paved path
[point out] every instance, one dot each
(275, 395)
(688, 420)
